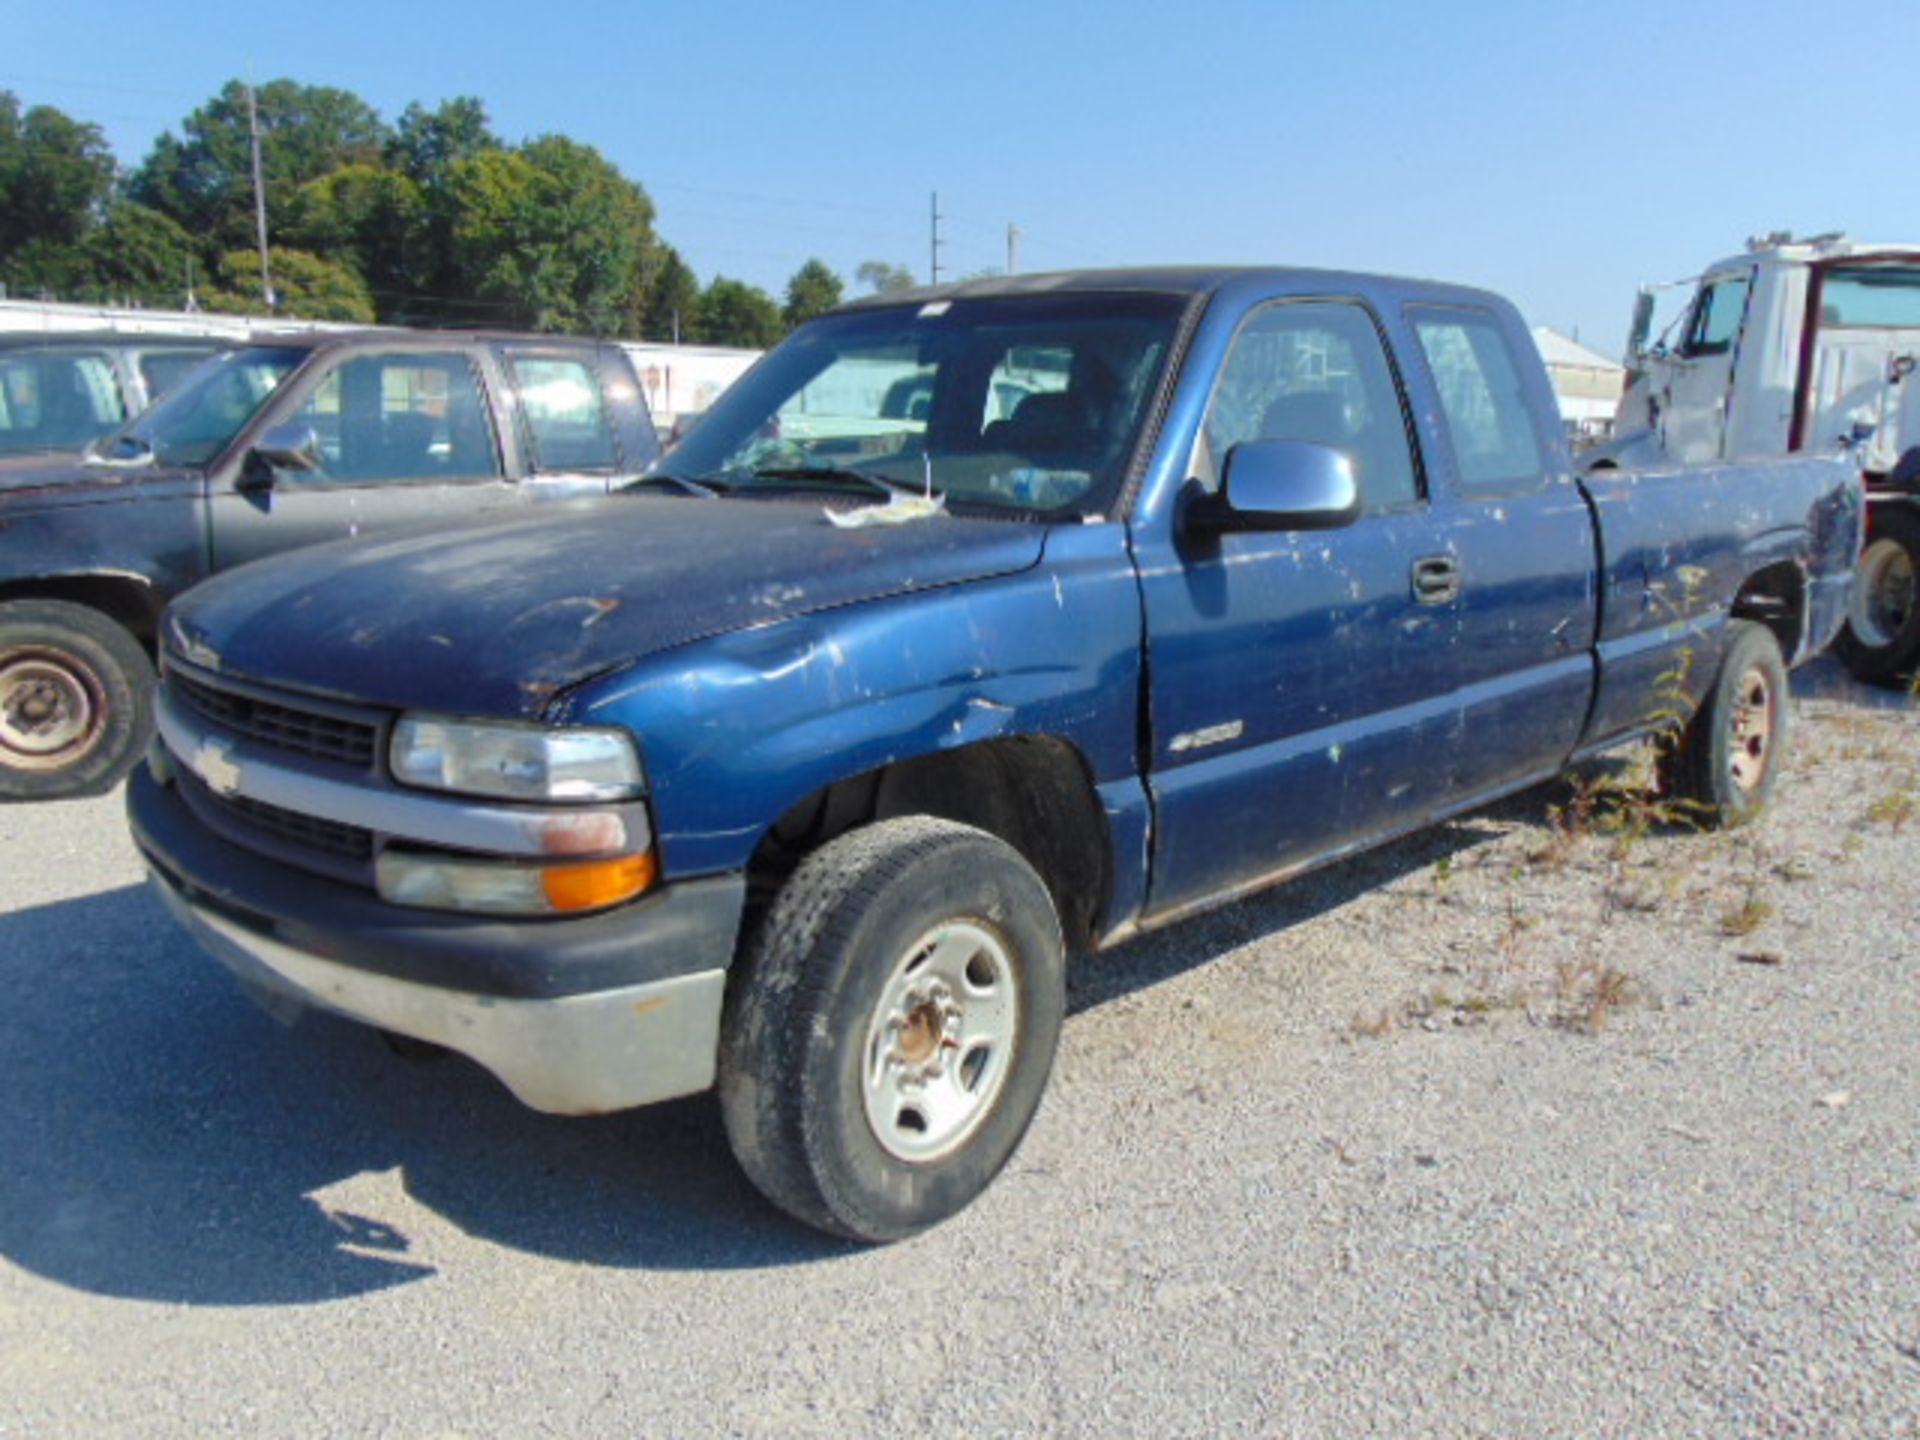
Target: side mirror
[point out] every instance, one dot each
(289, 447)
(1641, 326)
(1281, 485)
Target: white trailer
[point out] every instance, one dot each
(1798, 345)
(682, 381)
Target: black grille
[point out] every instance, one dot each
(349, 842)
(286, 727)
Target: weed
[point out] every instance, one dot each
(1746, 917)
(1588, 992)
(1895, 809)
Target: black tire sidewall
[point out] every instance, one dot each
(873, 1193)
(123, 686)
(1890, 663)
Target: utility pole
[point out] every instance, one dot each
(933, 270)
(1013, 248)
(259, 197)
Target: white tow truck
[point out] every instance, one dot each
(1798, 345)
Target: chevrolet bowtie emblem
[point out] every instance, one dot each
(213, 762)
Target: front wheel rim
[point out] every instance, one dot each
(1753, 726)
(940, 1044)
(52, 710)
(1883, 595)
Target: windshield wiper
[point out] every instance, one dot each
(845, 474)
(708, 489)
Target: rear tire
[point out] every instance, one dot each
(1728, 758)
(889, 1036)
(76, 701)
(1881, 641)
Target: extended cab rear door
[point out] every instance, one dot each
(1518, 536)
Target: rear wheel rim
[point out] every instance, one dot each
(1753, 726)
(1884, 594)
(52, 709)
(940, 1043)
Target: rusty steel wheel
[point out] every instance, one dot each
(76, 700)
(1727, 760)
(52, 708)
(1750, 747)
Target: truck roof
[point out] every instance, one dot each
(1791, 251)
(1169, 279)
(388, 336)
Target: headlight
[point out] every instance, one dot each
(515, 762)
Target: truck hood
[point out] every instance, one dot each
(494, 616)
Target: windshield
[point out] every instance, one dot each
(1024, 402)
(194, 423)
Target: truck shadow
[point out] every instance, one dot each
(165, 1140)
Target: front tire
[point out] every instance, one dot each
(1881, 641)
(1728, 758)
(76, 701)
(889, 1036)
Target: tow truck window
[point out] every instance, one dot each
(1877, 299)
(1715, 319)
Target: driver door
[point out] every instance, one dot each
(404, 435)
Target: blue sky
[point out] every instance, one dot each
(1559, 153)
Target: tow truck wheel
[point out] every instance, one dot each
(1726, 760)
(1881, 642)
(889, 1035)
(76, 701)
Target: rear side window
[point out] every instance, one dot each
(1488, 419)
(566, 415)
(56, 400)
(402, 417)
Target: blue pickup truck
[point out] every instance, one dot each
(799, 767)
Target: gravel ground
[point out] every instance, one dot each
(1519, 1127)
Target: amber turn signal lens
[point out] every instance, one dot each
(598, 883)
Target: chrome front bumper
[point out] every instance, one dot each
(580, 1054)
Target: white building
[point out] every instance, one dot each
(1587, 383)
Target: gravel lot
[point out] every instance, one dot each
(1502, 1130)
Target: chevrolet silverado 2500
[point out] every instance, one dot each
(800, 766)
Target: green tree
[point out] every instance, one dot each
(374, 220)
(56, 174)
(547, 237)
(133, 255)
(812, 290)
(883, 278)
(203, 179)
(735, 313)
(666, 300)
(306, 286)
(427, 143)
